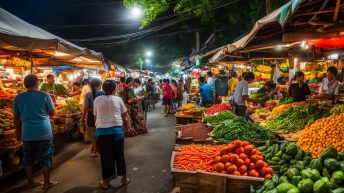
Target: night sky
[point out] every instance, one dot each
(79, 19)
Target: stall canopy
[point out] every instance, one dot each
(291, 24)
(20, 36)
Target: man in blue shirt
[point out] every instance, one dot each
(31, 117)
(206, 92)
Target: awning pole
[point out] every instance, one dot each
(31, 62)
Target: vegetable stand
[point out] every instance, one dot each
(207, 182)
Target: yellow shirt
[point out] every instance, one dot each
(232, 84)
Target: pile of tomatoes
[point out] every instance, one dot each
(217, 108)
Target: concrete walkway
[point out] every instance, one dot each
(147, 156)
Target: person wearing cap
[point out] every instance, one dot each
(329, 88)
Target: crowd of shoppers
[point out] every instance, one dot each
(110, 112)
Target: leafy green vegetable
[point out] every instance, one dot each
(216, 119)
(296, 118)
(237, 128)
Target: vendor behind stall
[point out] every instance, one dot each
(270, 89)
(298, 89)
(240, 97)
(221, 86)
(52, 88)
(206, 92)
(329, 88)
(76, 91)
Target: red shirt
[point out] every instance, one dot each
(167, 91)
(123, 85)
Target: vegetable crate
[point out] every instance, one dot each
(206, 182)
(182, 119)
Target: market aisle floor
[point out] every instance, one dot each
(148, 158)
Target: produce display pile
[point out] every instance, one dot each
(280, 109)
(10, 142)
(237, 158)
(286, 100)
(322, 175)
(196, 157)
(241, 158)
(323, 133)
(261, 96)
(237, 128)
(5, 95)
(295, 118)
(218, 108)
(6, 119)
(216, 119)
(337, 109)
(187, 107)
(70, 107)
(285, 155)
(198, 131)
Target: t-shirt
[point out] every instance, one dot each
(299, 93)
(206, 93)
(241, 90)
(221, 86)
(33, 108)
(138, 92)
(211, 81)
(84, 91)
(89, 99)
(327, 87)
(167, 91)
(185, 98)
(108, 111)
(232, 83)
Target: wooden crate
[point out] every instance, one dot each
(207, 182)
(182, 119)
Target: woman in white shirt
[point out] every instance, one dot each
(110, 112)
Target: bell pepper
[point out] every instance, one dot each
(292, 149)
(315, 174)
(330, 152)
(338, 190)
(331, 164)
(338, 177)
(292, 172)
(316, 164)
(283, 179)
(284, 187)
(294, 190)
(326, 172)
(322, 186)
(306, 173)
(295, 180)
(306, 186)
(300, 165)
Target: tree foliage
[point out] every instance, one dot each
(206, 9)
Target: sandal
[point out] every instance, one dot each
(103, 186)
(50, 185)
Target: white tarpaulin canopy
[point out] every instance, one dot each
(18, 35)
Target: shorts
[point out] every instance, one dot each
(41, 151)
(90, 133)
(166, 101)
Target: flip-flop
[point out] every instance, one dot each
(35, 184)
(102, 186)
(50, 185)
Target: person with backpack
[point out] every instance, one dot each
(87, 114)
